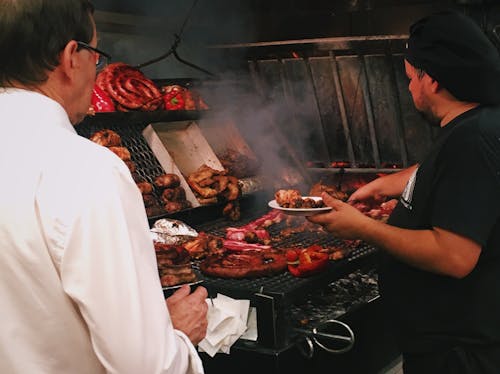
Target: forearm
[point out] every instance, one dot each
(392, 185)
(431, 250)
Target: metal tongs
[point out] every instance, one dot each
(319, 336)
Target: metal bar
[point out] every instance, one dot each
(399, 115)
(291, 104)
(315, 41)
(369, 111)
(266, 319)
(316, 100)
(355, 170)
(257, 81)
(342, 107)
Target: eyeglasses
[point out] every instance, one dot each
(101, 57)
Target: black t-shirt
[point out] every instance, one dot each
(457, 188)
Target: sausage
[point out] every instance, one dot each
(129, 88)
(179, 194)
(173, 194)
(124, 97)
(149, 201)
(145, 187)
(174, 206)
(167, 195)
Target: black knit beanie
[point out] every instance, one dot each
(453, 50)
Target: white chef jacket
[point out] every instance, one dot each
(79, 286)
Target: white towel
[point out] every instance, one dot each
(227, 322)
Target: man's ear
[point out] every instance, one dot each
(69, 59)
(434, 85)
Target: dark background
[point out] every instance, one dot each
(229, 21)
(287, 90)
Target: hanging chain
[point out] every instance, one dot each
(173, 48)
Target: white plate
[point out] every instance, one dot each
(301, 211)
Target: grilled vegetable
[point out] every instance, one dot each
(174, 97)
(101, 102)
(306, 262)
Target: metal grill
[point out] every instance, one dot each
(148, 166)
(285, 285)
(274, 296)
(336, 299)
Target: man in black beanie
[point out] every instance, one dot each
(440, 274)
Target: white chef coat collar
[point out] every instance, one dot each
(37, 107)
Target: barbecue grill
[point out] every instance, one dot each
(353, 121)
(274, 295)
(280, 300)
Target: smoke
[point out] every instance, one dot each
(134, 33)
(273, 132)
(280, 138)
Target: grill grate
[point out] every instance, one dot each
(148, 166)
(285, 285)
(336, 299)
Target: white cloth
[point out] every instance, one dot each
(79, 287)
(227, 322)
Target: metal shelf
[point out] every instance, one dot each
(354, 170)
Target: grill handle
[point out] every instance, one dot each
(306, 347)
(315, 334)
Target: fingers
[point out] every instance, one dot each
(180, 293)
(200, 293)
(188, 312)
(331, 201)
(355, 196)
(200, 309)
(352, 199)
(323, 218)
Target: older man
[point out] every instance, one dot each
(79, 286)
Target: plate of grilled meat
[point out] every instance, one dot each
(293, 203)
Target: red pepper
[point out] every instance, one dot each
(101, 101)
(174, 97)
(306, 262)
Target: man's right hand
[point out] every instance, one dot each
(365, 192)
(188, 312)
(390, 185)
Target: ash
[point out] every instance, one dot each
(336, 299)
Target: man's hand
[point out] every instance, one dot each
(366, 192)
(189, 312)
(343, 221)
(390, 185)
(435, 250)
